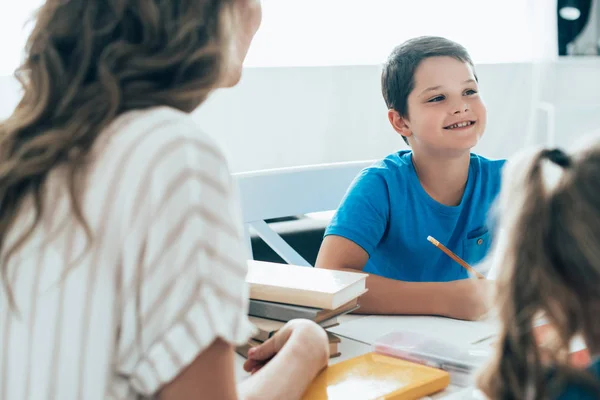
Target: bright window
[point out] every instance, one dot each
(359, 32)
(14, 29)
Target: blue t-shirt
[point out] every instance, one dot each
(578, 392)
(387, 212)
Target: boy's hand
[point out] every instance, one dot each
(468, 299)
(307, 343)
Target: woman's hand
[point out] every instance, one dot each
(306, 340)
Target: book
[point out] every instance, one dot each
(376, 376)
(334, 342)
(333, 346)
(369, 329)
(243, 349)
(303, 286)
(580, 358)
(265, 328)
(287, 312)
(579, 355)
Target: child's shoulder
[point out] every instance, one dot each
(390, 171)
(487, 173)
(487, 163)
(394, 163)
(578, 392)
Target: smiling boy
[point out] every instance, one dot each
(436, 188)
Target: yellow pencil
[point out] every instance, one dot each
(456, 258)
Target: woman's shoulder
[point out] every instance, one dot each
(146, 134)
(150, 122)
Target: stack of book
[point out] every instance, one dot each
(282, 292)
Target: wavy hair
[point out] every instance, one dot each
(550, 266)
(87, 62)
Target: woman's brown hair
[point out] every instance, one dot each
(549, 259)
(87, 62)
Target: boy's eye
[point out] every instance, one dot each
(470, 92)
(436, 99)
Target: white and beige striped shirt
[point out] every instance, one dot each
(164, 274)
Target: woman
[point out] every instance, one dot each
(122, 265)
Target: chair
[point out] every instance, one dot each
(284, 192)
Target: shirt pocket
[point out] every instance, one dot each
(476, 246)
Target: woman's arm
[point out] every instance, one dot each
(210, 376)
(297, 353)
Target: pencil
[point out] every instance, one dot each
(456, 258)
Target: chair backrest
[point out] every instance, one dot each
(292, 191)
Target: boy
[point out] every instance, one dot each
(437, 188)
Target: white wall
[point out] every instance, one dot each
(289, 116)
(573, 86)
(292, 116)
(9, 95)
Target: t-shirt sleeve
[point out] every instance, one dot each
(184, 278)
(576, 390)
(578, 393)
(364, 212)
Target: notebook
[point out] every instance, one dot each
(303, 286)
(375, 376)
(334, 342)
(369, 329)
(265, 328)
(287, 312)
(243, 349)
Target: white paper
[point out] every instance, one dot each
(371, 328)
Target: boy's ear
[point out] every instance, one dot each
(399, 123)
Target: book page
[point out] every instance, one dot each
(369, 329)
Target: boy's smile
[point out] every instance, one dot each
(461, 125)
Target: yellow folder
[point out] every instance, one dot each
(375, 376)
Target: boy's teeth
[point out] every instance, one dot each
(459, 125)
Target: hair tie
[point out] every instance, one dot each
(558, 157)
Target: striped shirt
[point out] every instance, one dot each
(164, 275)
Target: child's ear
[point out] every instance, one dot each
(399, 123)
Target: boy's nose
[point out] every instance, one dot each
(461, 108)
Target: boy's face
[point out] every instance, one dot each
(445, 111)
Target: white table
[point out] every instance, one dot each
(351, 348)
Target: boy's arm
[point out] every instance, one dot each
(462, 299)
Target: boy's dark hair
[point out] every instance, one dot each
(397, 77)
